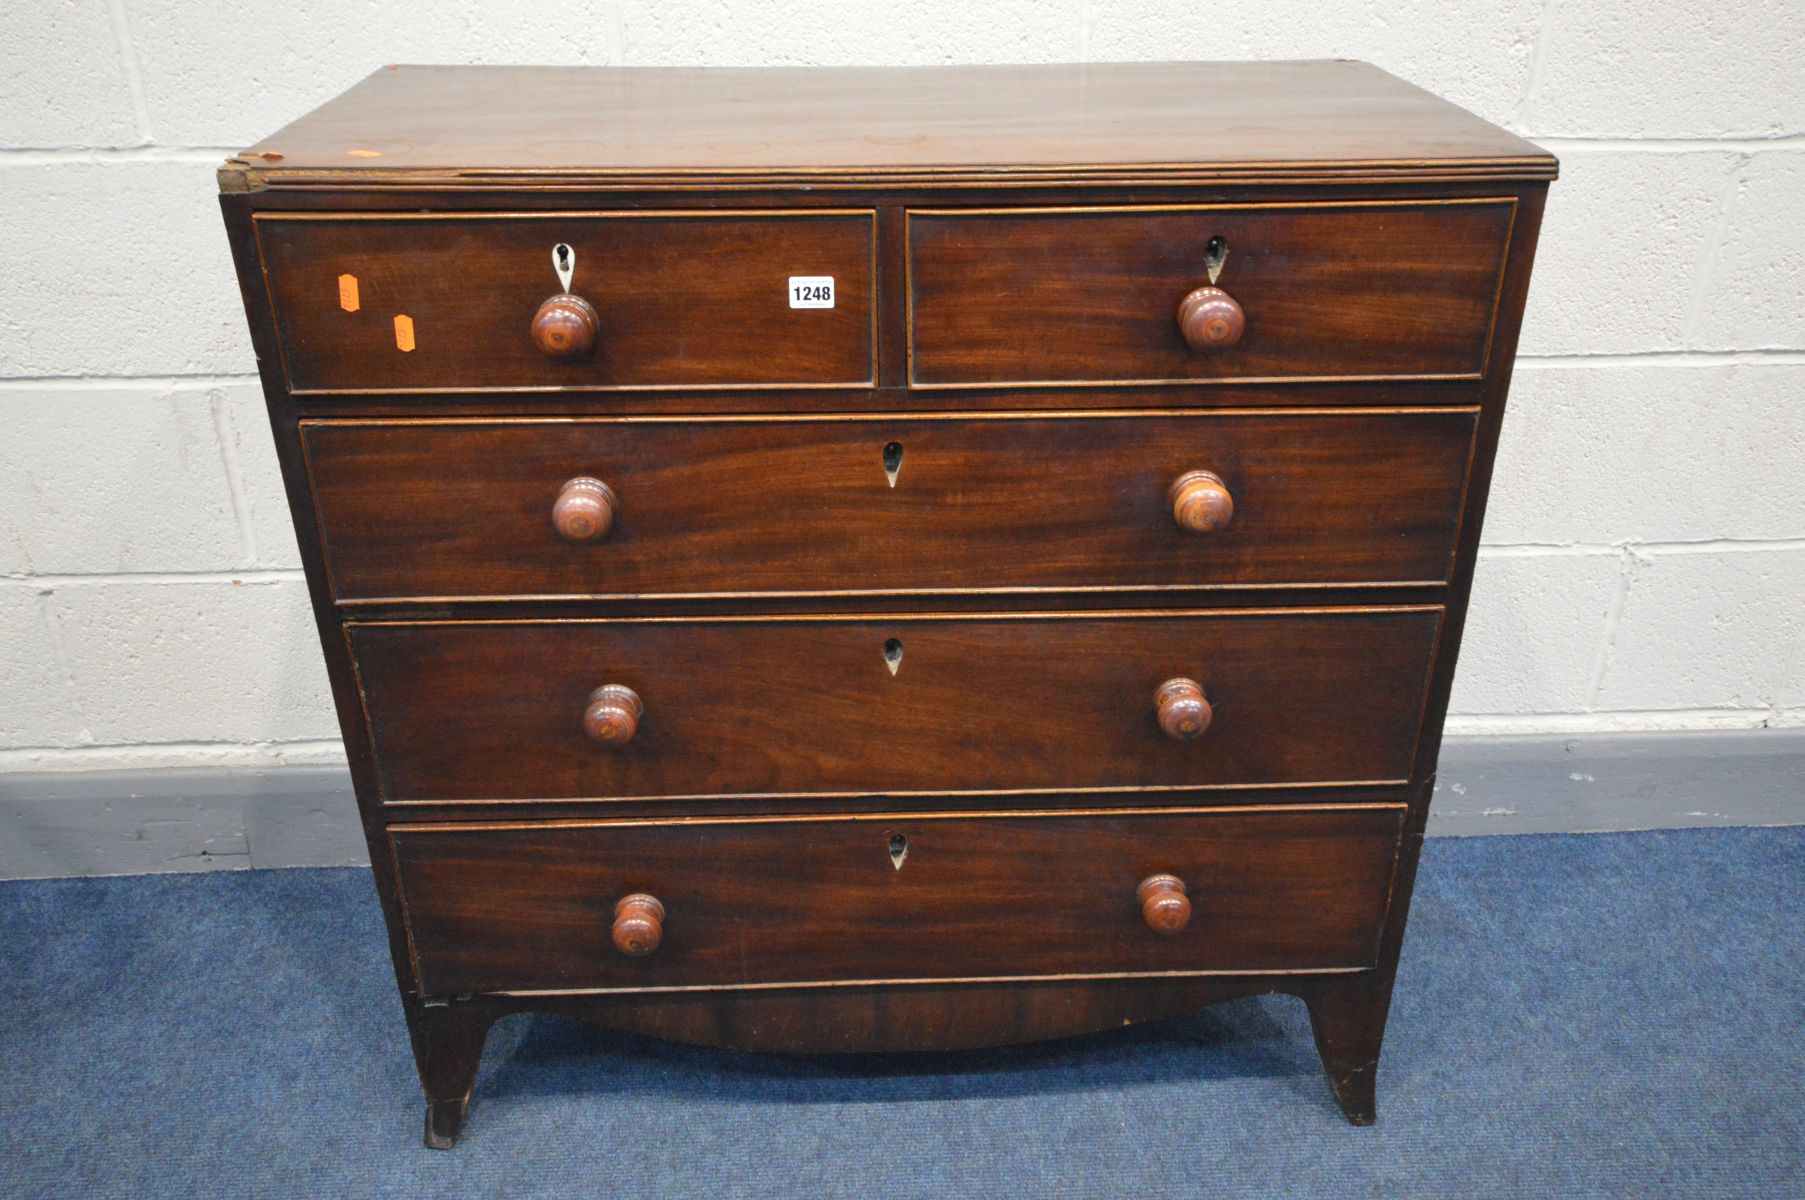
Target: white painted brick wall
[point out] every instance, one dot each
(1532, 638)
(1722, 630)
(1481, 60)
(1693, 450)
(117, 268)
(207, 660)
(63, 77)
(1645, 556)
(98, 480)
(1752, 292)
(1625, 240)
(1643, 68)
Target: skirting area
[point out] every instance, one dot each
(211, 819)
(1601, 1015)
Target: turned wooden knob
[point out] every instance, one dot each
(564, 328)
(639, 923)
(1164, 905)
(612, 717)
(1200, 502)
(585, 509)
(1210, 319)
(1183, 712)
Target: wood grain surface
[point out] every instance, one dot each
(531, 907)
(467, 509)
(681, 299)
(468, 710)
(1329, 292)
(545, 125)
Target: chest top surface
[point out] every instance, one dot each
(1231, 122)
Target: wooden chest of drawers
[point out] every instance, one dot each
(888, 559)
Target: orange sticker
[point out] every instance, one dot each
(404, 332)
(364, 153)
(347, 292)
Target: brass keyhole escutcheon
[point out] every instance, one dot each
(893, 652)
(893, 454)
(899, 850)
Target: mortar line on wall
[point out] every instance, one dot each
(1704, 143)
(154, 755)
(1705, 273)
(1673, 546)
(252, 577)
(1666, 358)
(1609, 721)
(128, 63)
(617, 27)
(1718, 546)
(225, 432)
(1532, 78)
(188, 744)
(39, 156)
(1548, 549)
(49, 383)
(1607, 642)
(621, 25)
(65, 663)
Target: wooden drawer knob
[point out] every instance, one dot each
(1200, 502)
(1210, 319)
(612, 717)
(1164, 905)
(564, 328)
(585, 509)
(639, 924)
(1183, 712)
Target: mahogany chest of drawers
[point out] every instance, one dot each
(888, 559)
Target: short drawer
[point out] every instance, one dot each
(535, 907)
(881, 705)
(388, 303)
(1389, 290)
(886, 504)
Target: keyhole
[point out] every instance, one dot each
(564, 262)
(1214, 255)
(892, 461)
(893, 655)
(899, 850)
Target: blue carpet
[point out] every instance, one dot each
(1602, 1015)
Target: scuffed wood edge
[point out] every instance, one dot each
(236, 175)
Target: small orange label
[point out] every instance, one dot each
(404, 332)
(361, 153)
(347, 292)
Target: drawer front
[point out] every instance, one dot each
(1333, 291)
(750, 706)
(374, 303)
(458, 509)
(893, 897)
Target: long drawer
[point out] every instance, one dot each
(368, 302)
(886, 504)
(1368, 289)
(532, 907)
(877, 705)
